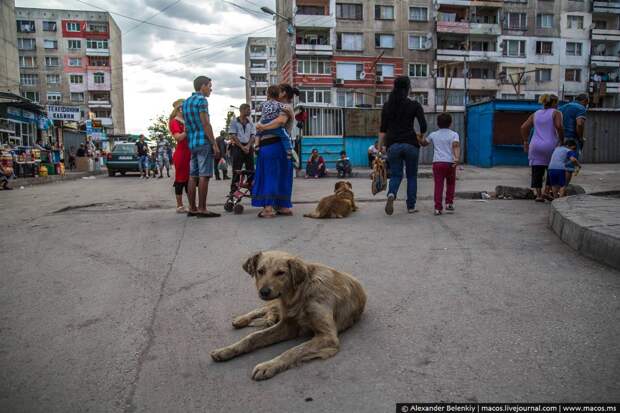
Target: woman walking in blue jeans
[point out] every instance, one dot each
(398, 135)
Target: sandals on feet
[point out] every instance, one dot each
(262, 215)
(181, 210)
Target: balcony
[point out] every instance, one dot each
(259, 70)
(314, 49)
(605, 61)
(451, 55)
(99, 104)
(606, 34)
(472, 84)
(474, 3)
(315, 21)
(259, 55)
(468, 28)
(606, 7)
(97, 52)
(485, 28)
(260, 84)
(610, 87)
(105, 121)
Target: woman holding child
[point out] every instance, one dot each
(273, 181)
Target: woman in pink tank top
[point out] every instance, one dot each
(548, 134)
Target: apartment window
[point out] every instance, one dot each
(417, 42)
(315, 96)
(101, 61)
(50, 44)
(514, 48)
(573, 49)
(350, 99)
(98, 27)
(77, 97)
(311, 10)
(572, 75)
(25, 26)
(258, 77)
(544, 48)
(27, 62)
(51, 61)
(481, 73)
(350, 42)
(53, 79)
(74, 44)
(512, 96)
(482, 46)
(99, 78)
(384, 12)
(381, 98)
(314, 67)
(76, 79)
(54, 97)
(73, 27)
(97, 44)
(544, 21)
(349, 11)
(420, 97)
(49, 26)
(384, 41)
(26, 44)
(28, 79)
(418, 70)
(386, 70)
(543, 75)
(575, 22)
(454, 98)
(75, 61)
(418, 14)
(600, 24)
(34, 96)
(349, 71)
(515, 21)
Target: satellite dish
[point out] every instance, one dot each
(600, 48)
(362, 75)
(428, 44)
(429, 36)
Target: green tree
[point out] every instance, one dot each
(229, 117)
(159, 128)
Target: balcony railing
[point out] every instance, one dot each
(471, 55)
(318, 49)
(606, 34)
(315, 21)
(472, 84)
(468, 28)
(97, 52)
(606, 7)
(474, 3)
(99, 103)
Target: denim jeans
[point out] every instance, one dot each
(399, 155)
(143, 164)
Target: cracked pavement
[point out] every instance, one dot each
(111, 302)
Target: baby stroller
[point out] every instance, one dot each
(243, 190)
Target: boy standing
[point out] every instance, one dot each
(447, 152)
(563, 163)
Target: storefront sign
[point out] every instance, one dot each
(21, 115)
(70, 113)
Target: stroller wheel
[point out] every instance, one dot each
(229, 206)
(238, 209)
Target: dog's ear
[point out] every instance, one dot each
(298, 271)
(338, 185)
(251, 264)
(349, 184)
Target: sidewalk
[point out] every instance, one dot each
(39, 180)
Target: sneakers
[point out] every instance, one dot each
(389, 205)
(450, 207)
(437, 212)
(412, 211)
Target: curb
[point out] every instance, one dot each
(40, 180)
(595, 238)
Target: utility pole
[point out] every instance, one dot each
(373, 70)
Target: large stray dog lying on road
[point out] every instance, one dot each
(305, 299)
(338, 205)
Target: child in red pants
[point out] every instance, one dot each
(447, 152)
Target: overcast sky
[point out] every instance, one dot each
(156, 71)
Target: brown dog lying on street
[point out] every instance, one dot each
(306, 299)
(338, 205)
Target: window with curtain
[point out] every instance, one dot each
(386, 70)
(384, 41)
(418, 14)
(384, 12)
(351, 41)
(349, 11)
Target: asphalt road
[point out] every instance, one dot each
(111, 302)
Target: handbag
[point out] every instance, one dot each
(379, 176)
(222, 165)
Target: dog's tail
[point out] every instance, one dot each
(313, 214)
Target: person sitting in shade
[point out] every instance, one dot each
(343, 166)
(315, 168)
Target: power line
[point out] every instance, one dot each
(150, 18)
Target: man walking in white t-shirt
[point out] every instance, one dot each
(447, 152)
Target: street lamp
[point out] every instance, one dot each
(273, 13)
(234, 107)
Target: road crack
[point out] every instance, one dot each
(130, 405)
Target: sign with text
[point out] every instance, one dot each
(70, 113)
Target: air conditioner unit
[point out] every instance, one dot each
(339, 82)
(379, 79)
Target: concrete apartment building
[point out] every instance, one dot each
(72, 59)
(9, 63)
(261, 70)
(346, 53)
(605, 56)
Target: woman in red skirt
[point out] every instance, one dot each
(181, 155)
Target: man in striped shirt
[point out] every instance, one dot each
(201, 144)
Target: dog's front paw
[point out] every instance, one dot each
(223, 354)
(241, 322)
(266, 370)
